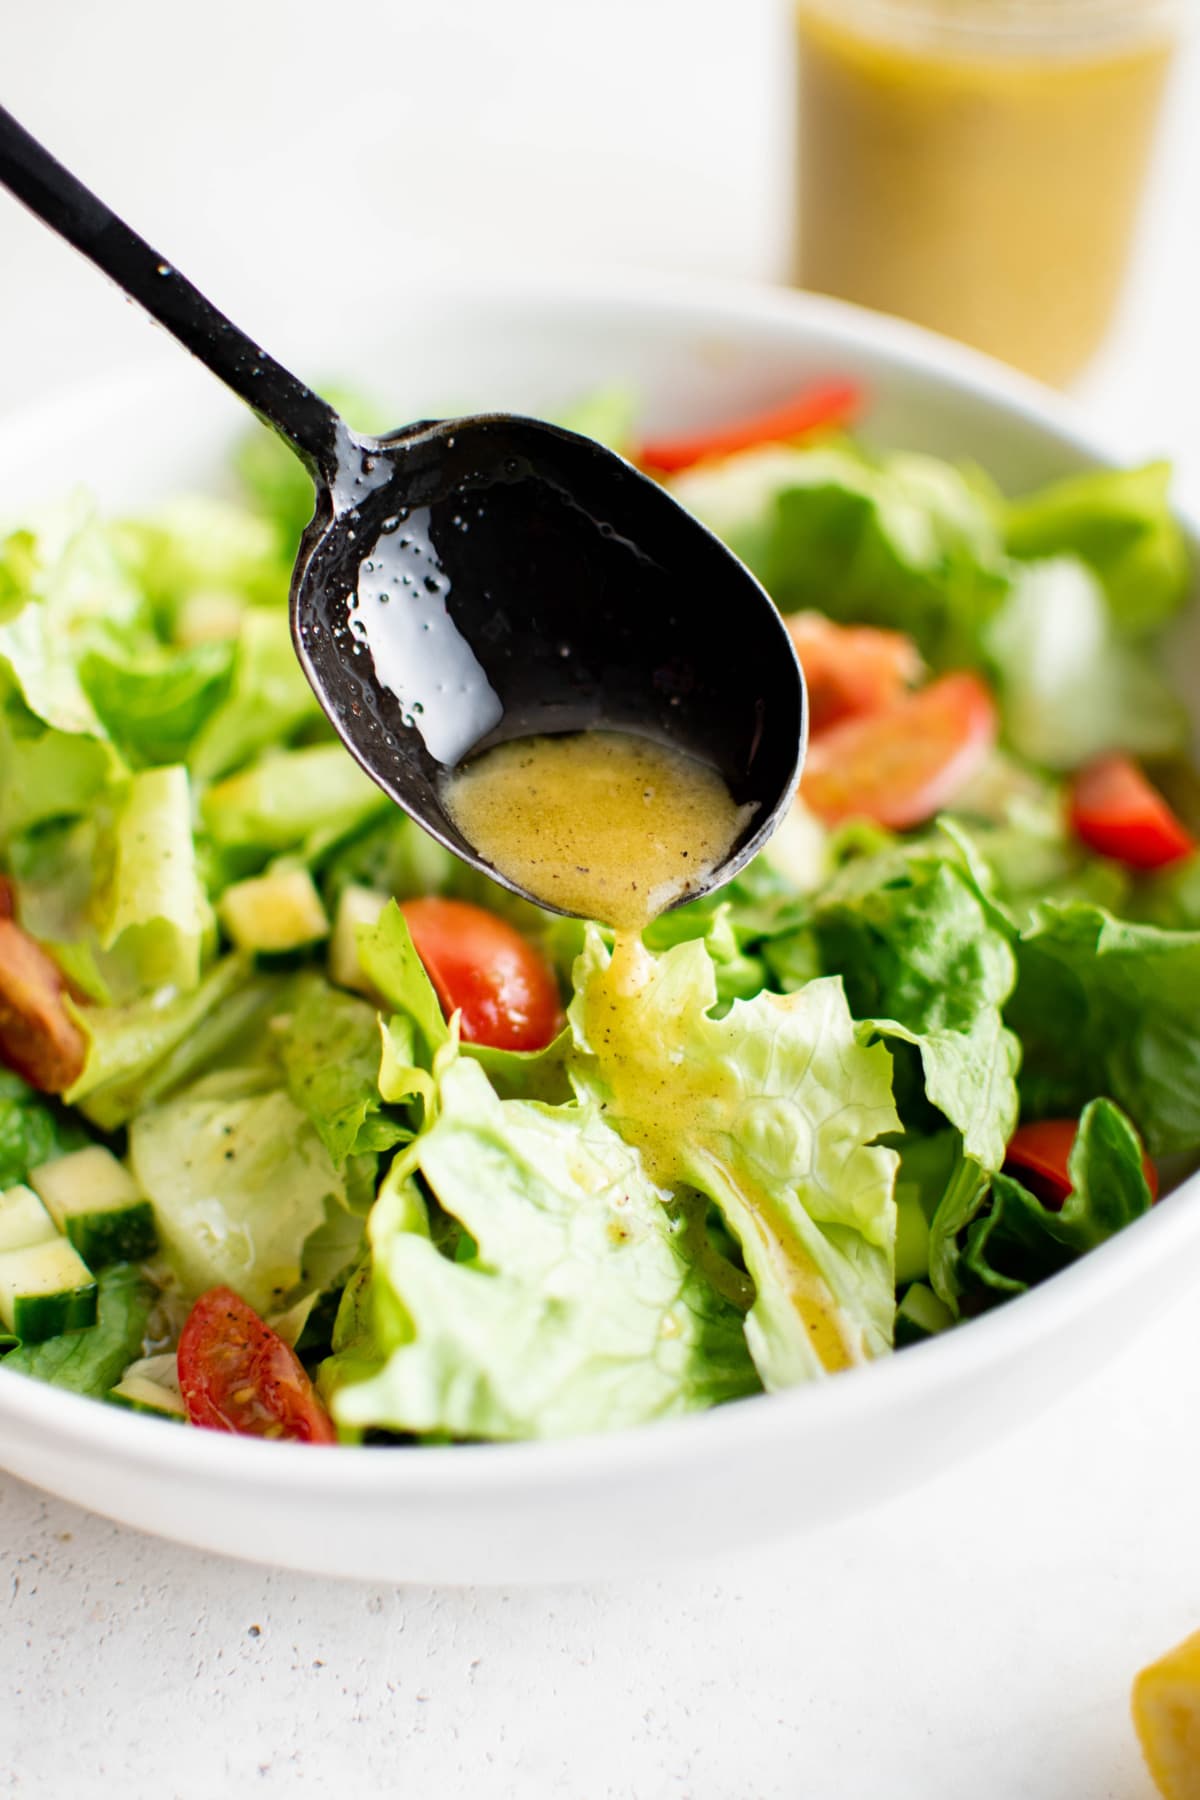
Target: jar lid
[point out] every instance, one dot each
(1015, 27)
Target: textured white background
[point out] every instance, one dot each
(977, 1638)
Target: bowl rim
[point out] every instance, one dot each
(672, 1446)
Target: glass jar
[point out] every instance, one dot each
(976, 165)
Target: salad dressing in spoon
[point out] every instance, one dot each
(600, 823)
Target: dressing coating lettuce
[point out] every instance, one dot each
(576, 1309)
(772, 1112)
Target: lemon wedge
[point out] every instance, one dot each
(1166, 1713)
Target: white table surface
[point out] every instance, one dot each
(976, 1638)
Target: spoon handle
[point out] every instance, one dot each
(308, 424)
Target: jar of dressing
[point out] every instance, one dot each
(976, 165)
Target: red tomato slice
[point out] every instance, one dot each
(902, 765)
(236, 1374)
(1038, 1154)
(823, 403)
(484, 969)
(1115, 811)
(850, 669)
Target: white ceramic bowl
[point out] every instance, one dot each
(764, 1466)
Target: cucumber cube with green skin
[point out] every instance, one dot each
(23, 1220)
(151, 1385)
(270, 913)
(46, 1289)
(358, 906)
(95, 1201)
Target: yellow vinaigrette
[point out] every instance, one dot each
(600, 823)
(1166, 1713)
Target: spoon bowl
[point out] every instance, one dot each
(490, 578)
(470, 581)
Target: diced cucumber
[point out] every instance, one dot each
(46, 1289)
(921, 1315)
(23, 1220)
(274, 912)
(151, 1385)
(95, 1201)
(357, 906)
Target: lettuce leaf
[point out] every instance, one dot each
(772, 1113)
(93, 1360)
(1070, 684)
(1016, 1241)
(200, 546)
(578, 1311)
(1119, 522)
(139, 1052)
(1033, 856)
(33, 1129)
(116, 895)
(331, 1053)
(152, 909)
(1105, 1006)
(267, 700)
(923, 962)
(46, 774)
(902, 541)
(64, 591)
(289, 799)
(152, 707)
(238, 1180)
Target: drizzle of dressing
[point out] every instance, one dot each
(679, 1115)
(601, 823)
(617, 828)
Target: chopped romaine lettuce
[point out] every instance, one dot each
(268, 698)
(1016, 1240)
(290, 799)
(1070, 685)
(136, 1054)
(152, 908)
(33, 1130)
(922, 961)
(152, 708)
(903, 542)
(331, 1050)
(1119, 522)
(65, 591)
(238, 1181)
(1104, 1006)
(773, 1113)
(578, 1312)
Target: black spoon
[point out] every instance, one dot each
(473, 580)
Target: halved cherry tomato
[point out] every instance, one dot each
(822, 403)
(850, 669)
(1116, 811)
(902, 765)
(483, 968)
(236, 1374)
(1038, 1153)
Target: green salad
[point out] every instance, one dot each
(306, 1129)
